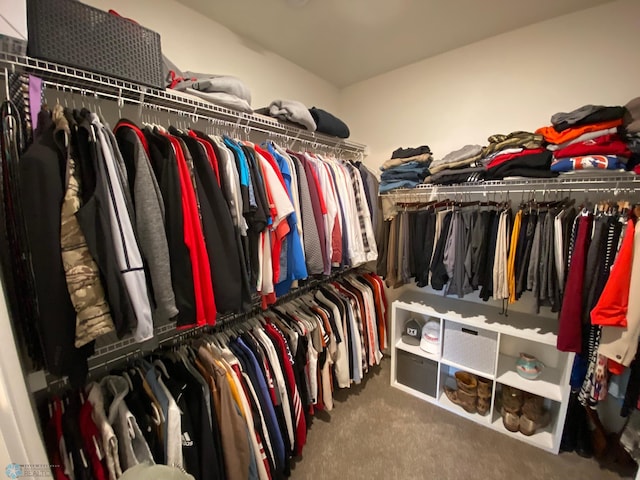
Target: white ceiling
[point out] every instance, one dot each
(345, 41)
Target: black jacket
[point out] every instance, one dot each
(41, 189)
(165, 167)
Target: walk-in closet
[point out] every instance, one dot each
(302, 240)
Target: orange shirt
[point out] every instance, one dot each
(552, 136)
(613, 304)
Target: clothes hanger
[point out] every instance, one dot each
(223, 335)
(126, 376)
(163, 369)
(286, 323)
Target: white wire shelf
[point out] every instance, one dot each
(602, 182)
(97, 85)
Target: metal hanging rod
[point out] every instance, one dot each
(94, 83)
(115, 354)
(193, 117)
(598, 182)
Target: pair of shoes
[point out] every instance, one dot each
(484, 395)
(512, 399)
(473, 393)
(522, 411)
(510, 420)
(467, 393)
(534, 415)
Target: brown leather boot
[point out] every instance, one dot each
(510, 420)
(467, 393)
(484, 395)
(511, 399)
(467, 382)
(534, 415)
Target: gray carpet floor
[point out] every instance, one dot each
(378, 432)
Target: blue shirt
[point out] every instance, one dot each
(296, 266)
(243, 169)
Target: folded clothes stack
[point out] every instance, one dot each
(329, 124)
(453, 176)
(223, 90)
(290, 111)
(457, 167)
(464, 157)
(631, 131)
(515, 154)
(586, 140)
(518, 154)
(407, 168)
(313, 119)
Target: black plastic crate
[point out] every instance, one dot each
(75, 34)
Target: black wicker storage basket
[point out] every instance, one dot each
(74, 34)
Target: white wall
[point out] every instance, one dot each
(194, 42)
(19, 434)
(514, 81)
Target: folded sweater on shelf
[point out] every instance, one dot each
(551, 135)
(588, 162)
(586, 115)
(410, 151)
(604, 145)
(463, 157)
(209, 83)
(396, 162)
(532, 165)
(454, 176)
(407, 171)
(517, 139)
(292, 111)
(583, 138)
(506, 157)
(329, 124)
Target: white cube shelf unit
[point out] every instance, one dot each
(475, 338)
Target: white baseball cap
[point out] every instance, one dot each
(430, 339)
